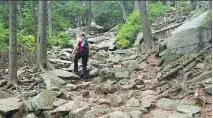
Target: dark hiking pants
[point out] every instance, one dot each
(84, 56)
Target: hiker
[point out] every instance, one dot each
(82, 47)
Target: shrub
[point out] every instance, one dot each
(27, 40)
(58, 39)
(3, 37)
(129, 30)
(156, 9)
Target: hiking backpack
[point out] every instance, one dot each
(85, 43)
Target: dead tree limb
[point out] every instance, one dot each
(201, 77)
(174, 26)
(172, 72)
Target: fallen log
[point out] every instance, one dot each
(172, 72)
(158, 31)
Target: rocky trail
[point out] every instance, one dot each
(122, 84)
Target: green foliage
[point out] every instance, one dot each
(58, 39)
(107, 13)
(26, 40)
(156, 9)
(129, 30)
(3, 37)
(182, 6)
(207, 18)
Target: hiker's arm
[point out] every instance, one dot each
(76, 45)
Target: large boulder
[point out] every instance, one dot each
(191, 37)
(43, 101)
(9, 105)
(52, 81)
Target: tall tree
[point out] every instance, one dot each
(148, 39)
(12, 41)
(20, 14)
(193, 5)
(89, 14)
(41, 41)
(49, 18)
(34, 20)
(136, 5)
(123, 10)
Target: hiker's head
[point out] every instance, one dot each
(82, 34)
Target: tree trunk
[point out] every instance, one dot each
(49, 18)
(210, 5)
(89, 15)
(148, 39)
(193, 5)
(20, 15)
(123, 10)
(168, 3)
(41, 41)
(136, 5)
(12, 41)
(34, 20)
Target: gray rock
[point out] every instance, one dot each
(10, 104)
(178, 115)
(52, 81)
(121, 75)
(132, 57)
(79, 112)
(200, 66)
(188, 109)
(71, 87)
(125, 63)
(72, 105)
(59, 102)
(30, 93)
(136, 114)
(98, 109)
(116, 114)
(133, 102)
(43, 101)
(108, 87)
(31, 116)
(55, 61)
(181, 43)
(94, 72)
(138, 39)
(64, 74)
(115, 99)
(208, 90)
(160, 113)
(134, 65)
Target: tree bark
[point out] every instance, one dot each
(148, 39)
(49, 18)
(41, 41)
(123, 10)
(89, 15)
(20, 15)
(136, 5)
(12, 41)
(193, 5)
(34, 21)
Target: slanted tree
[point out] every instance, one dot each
(148, 39)
(49, 18)
(12, 41)
(20, 13)
(123, 10)
(34, 20)
(41, 36)
(89, 15)
(136, 5)
(193, 5)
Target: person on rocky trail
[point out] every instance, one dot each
(82, 48)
